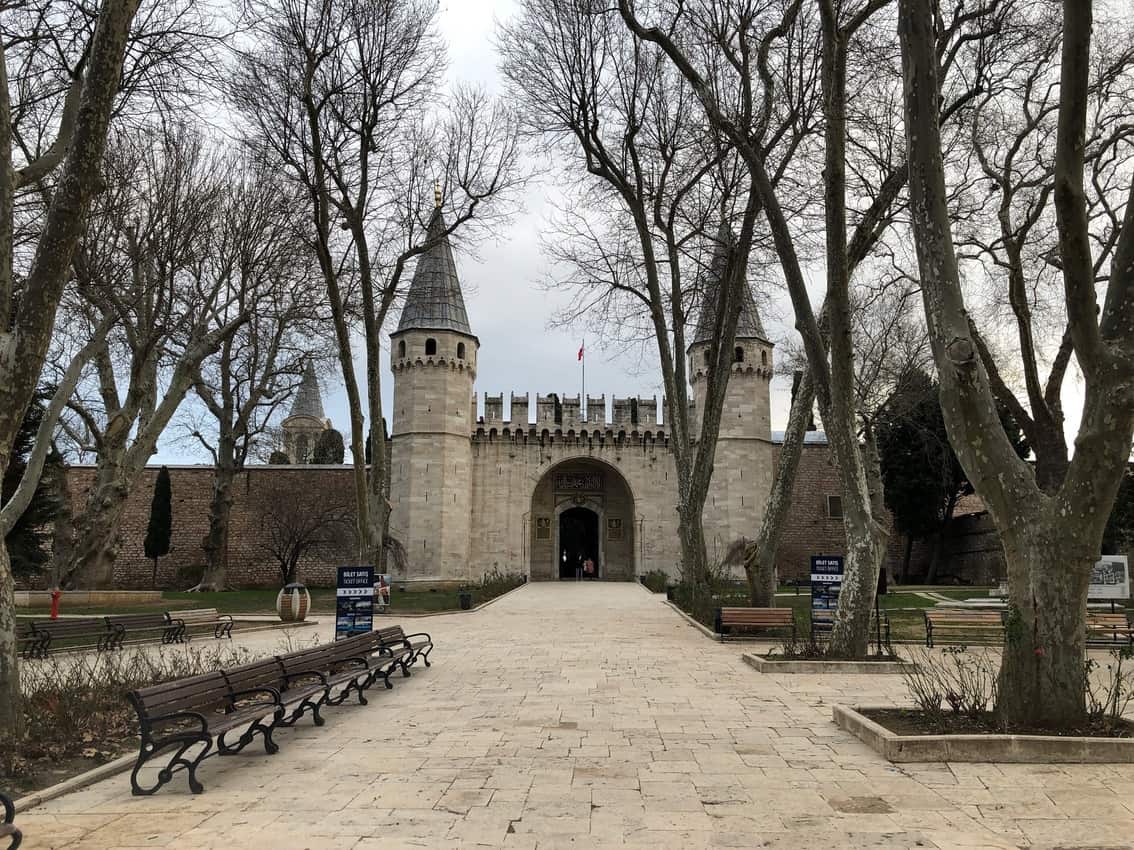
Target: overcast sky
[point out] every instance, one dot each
(508, 306)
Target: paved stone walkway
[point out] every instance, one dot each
(592, 716)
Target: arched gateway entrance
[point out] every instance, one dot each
(582, 509)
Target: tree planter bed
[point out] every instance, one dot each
(803, 665)
(1020, 749)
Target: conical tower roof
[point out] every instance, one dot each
(748, 325)
(308, 399)
(434, 300)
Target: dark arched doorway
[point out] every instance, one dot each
(578, 540)
(582, 507)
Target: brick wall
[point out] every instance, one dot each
(972, 549)
(250, 562)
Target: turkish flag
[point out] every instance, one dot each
(580, 352)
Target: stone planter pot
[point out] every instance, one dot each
(293, 602)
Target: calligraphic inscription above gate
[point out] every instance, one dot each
(578, 482)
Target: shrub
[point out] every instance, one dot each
(495, 583)
(74, 704)
(1111, 692)
(656, 581)
(955, 681)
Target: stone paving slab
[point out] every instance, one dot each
(581, 716)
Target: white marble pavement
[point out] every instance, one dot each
(592, 716)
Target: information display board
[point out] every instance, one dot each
(1110, 578)
(826, 582)
(354, 601)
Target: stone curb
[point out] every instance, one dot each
(1014, 749)
(765, 665)
(701, 627)
(75, 783)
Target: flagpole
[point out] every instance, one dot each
(583, 360)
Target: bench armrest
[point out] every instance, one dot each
(420, 634)
(227, 617)
(9, 809)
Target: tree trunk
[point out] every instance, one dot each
(906, 558)
(694, 561)
(850, 637)
(96, 539)
(1043, 673)
(220, 511)
(11, 716)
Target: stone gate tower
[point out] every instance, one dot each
(741, 473)
(433, 357)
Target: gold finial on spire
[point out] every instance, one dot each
(437, 194)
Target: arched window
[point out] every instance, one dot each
(301, 449)
(430, 347)
(460, 351)
(708, 358)
(402, 348)
(763, 358)
(738, 354)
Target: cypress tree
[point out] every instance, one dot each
(160, 528)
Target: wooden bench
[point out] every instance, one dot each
(179, 715)
(982, 626)
(183, 621)
(52, 632)
(134, 625)
(1109, 628)
(766, 619)
(7, 828)
(333, 670)
(823, 624)
(419, 644)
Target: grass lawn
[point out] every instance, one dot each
(264, 602)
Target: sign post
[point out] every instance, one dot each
(354, 601)
(826, 582)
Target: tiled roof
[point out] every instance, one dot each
(308, 399)
(434, 300)
(748, 326)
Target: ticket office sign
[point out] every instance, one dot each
(826, 582)
(354, 601)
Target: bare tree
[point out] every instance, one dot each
(152, 260)
(294, 520)
(854, 59)
(346, 98)
(1050, 539)
(27, 310)
(258, 368)
(656, 200)
(1006, 216)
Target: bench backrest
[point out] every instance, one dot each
(757, 616)
(72, 627)
(24, 629)
(138, 621)
(202, 694)
(195, 615)
(265, 673)
(965, 618)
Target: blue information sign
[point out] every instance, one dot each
(826, 582)
(354, 601)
